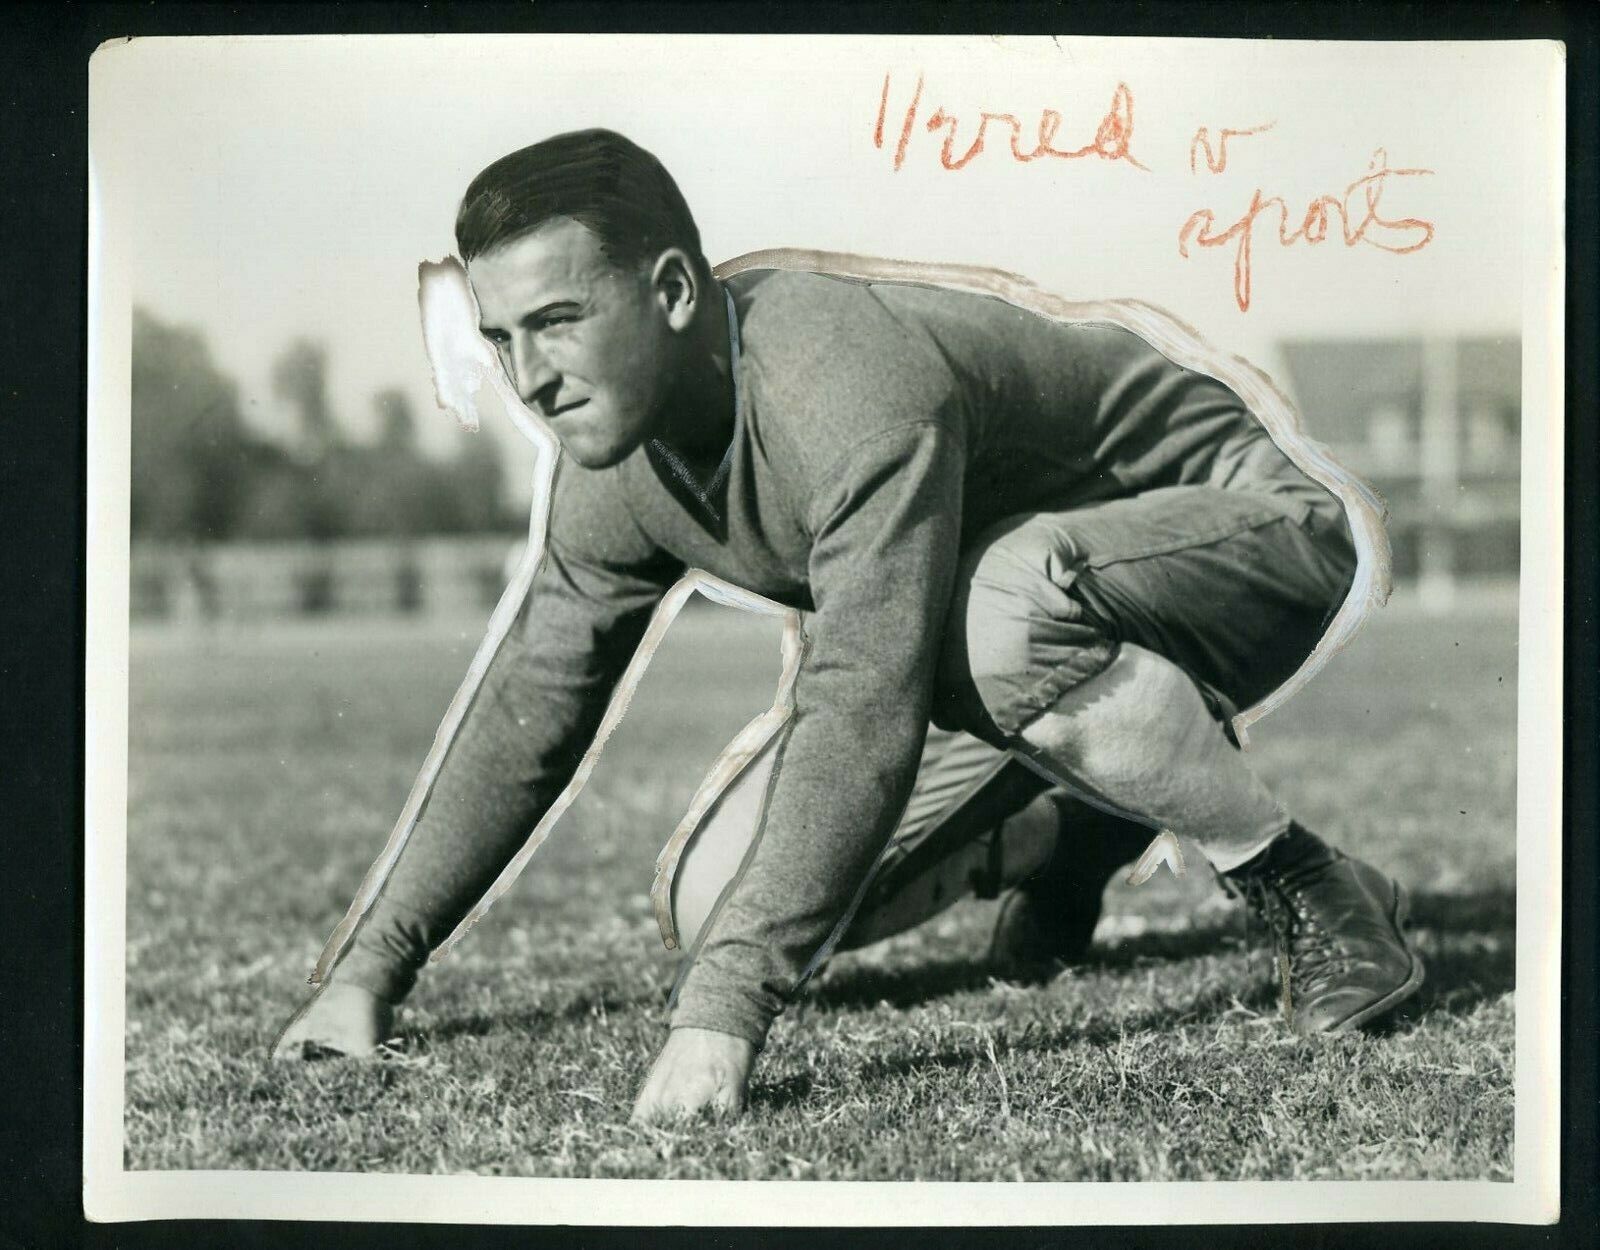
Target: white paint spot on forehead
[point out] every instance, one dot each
(462, 362)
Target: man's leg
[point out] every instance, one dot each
(981, 821)
(964, 789)
(978, 821)
(1140, 734)
(1091, 640)
(1139, 737)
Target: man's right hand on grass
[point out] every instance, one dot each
(344, 1019)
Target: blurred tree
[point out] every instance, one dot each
(199, 473)
(397, 425)
(191, 453)
(389, 487)
(479, 479)
(274, 505)
(300, 379)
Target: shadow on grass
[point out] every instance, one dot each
(1456, 979)
(536, 1020)
(1479, 912)
(1096, 1031)
(775, 1095)
(1470, 947)
(1461, 975)
(1469, 942)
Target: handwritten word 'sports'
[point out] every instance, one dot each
(1361, 222)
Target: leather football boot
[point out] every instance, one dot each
(1050, 918)
(1338, 924)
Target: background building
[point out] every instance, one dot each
(1435, 426)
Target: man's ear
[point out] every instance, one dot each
(677, 287)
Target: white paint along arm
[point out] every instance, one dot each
(464, 367)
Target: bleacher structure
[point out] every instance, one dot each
(1435, 426)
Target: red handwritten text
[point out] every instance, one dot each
(1113, 139)
(1406, 234)
(1217, 157)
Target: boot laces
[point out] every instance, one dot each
(1308, 954)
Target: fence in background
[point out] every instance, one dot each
(249, 581)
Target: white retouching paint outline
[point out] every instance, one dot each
(444, 294)
(729, 765)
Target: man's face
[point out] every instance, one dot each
(586, 344)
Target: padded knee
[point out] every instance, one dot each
(1017, 637)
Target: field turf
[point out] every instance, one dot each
(266, 766)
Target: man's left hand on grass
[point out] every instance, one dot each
(697, 1070)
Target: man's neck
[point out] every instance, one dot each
(700, 415)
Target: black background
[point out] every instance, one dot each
(44, 54)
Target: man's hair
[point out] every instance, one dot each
(596, 177)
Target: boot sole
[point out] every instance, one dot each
(1399, 913)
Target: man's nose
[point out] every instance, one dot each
(534, 373)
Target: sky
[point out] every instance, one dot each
(269, 188)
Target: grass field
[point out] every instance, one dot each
(266, 768)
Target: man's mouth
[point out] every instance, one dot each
(552, 413)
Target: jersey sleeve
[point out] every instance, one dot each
(886, 536)
(534, 717)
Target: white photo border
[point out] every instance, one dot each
(112, 1193)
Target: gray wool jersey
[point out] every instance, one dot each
(881, 428)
